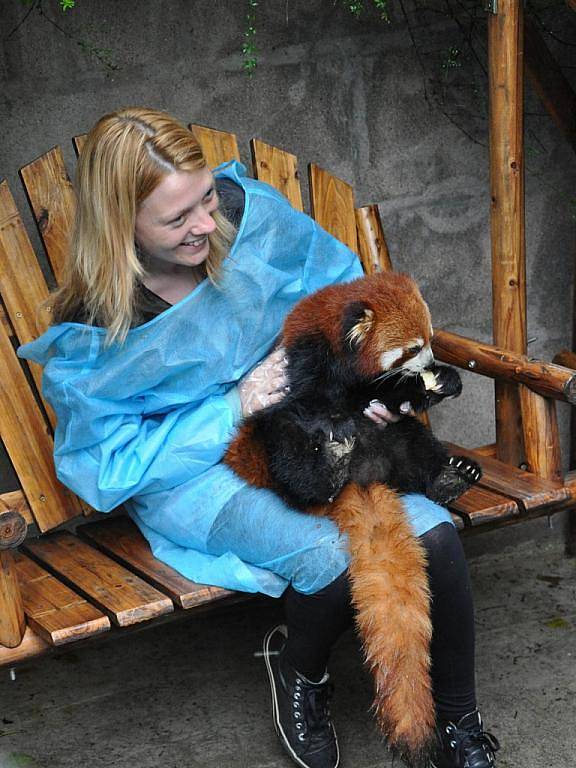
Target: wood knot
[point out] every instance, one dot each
(43, 220)
(13, 529)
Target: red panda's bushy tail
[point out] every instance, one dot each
(390, 592)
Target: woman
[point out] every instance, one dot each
(174, 294)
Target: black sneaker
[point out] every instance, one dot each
(300, 708)
(465, 744)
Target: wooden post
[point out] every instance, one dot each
(505, 47)
(12, 620)
(568, 358)
(541, 436)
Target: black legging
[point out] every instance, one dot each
(316, 621)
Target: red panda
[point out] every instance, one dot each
(346, 345)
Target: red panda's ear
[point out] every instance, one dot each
(356, 324)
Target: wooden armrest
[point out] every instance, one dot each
(545, 379)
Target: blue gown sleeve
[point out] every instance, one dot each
(142, 454)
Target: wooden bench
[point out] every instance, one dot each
(59, 587)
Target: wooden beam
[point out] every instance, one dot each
(549, 81)
(505, 55)
(546, 379)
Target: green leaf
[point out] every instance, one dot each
(557, 623)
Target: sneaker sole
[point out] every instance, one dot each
(277, 726)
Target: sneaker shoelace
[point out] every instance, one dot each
(472, 745)
(317, 708)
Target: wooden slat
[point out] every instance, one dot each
(486, 450)
(79, 142)
(332, 203)
(372, 245)
(12, 622)
(480, 505)
(549, 81)
(457, 520)
(53, 610)
(505, 49)
(4, 322)
(32, 645)
(120, 539)
(52, 199)
(279, 169)
(17, 501)
(22, 284)
(125, 597)
(29, 445)
(218, 146)
(529, 491)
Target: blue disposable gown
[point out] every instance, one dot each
(146, 423)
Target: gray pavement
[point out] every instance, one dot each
(192, 694)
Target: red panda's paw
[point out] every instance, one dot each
(454, 479)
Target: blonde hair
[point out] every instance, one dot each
(125, 157)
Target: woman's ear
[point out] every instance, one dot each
(356, 324)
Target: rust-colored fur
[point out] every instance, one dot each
(390, 593)
(398, 314)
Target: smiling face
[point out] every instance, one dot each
(174, 221)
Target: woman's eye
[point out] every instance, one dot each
(178, 220)
(209, 194)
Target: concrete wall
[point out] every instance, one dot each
(377, 104)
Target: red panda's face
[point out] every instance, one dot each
(393, 332)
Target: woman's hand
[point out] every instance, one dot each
(266, 384)
(379, 414)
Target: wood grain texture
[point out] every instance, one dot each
(31, 646)
(218, 146)
(480, 505)
(541, 436)
(29, 445)
(457, 520)
(530, 492)
(53, 610)
(372, 245)
(549, 81)
(79, 142)
(546, 379)
(13, 528)
(53, 202)
(12, 621)
(277, 168)
(119, 538)
(17, 501)
(332, 203)
(486, 450)
(122, 595)
(22, 285)
(506, 85)
(565, 357)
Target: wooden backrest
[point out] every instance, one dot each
(26, 423)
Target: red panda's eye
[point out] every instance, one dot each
(414, 350)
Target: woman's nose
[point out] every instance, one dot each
(202, 223)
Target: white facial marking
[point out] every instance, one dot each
(387, 359)
(424, 359)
